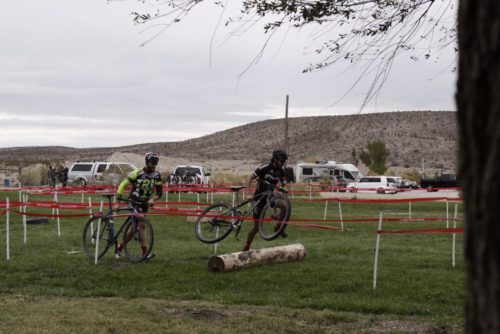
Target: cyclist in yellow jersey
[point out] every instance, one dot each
(145, 182)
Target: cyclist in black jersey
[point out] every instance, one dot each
(273, 173)
(145, 182)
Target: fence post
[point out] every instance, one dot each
(7, 228)
(24, 219)
(340, 215)
(57, 212)
(447, 215)
(98, 232)
(377, 247)
(207, 187)
(326, 208)
(455, 218)
(90, 207)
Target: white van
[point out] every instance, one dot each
(84, 173)
(378, 184)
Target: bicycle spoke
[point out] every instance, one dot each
(273, 218)
(91, 235)
(138, 238)
(215, 223)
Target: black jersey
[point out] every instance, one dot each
(270, 174)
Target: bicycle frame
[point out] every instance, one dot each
(111, 214)
(236, 224)
(220, 219)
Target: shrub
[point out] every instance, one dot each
(227, 179)
(34, 175)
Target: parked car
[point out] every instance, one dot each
(402, 183)
(445, 180)
(340, 183)
(84, 173)
(185, 174)
(378, 184)
(408, 184)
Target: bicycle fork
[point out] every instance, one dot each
(236, 225)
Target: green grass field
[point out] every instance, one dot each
(50, 286)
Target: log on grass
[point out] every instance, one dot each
(232, 261)
(37, 221)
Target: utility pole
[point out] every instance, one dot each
(286, 125)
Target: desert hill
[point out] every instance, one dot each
(409, 136)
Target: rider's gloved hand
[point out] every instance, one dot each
(119, 199)
(151, 202)
(283, 190)
(248, 194)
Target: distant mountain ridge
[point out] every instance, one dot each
(409, 136)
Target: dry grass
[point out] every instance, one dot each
(142, 315)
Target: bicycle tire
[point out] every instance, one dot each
(268, 229)
(90, 236)
(214, 224)
(133, 247)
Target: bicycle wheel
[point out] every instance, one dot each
(92, 238)
(272, 221)
(215, 223)
(138, 239)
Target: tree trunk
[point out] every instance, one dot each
(231, 261)
(478, 104)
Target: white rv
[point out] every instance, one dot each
(313, 171)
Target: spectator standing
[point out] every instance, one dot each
(64, 176)
(51, 176)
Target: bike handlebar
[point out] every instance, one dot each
(283, 190)
(128, 200)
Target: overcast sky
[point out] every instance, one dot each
(74, 73)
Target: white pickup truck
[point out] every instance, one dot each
(188, 174)
(83, 173)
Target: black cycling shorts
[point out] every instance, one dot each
(140, 207)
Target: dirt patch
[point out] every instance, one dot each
(197, 314)
(391, 326)
(120, 265)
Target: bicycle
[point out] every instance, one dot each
(106, 236)
(217, 221)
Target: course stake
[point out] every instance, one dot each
(377, 247)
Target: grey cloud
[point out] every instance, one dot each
(85, 71)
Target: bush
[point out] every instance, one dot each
(34, 175)
(113, 176)
(227, 179)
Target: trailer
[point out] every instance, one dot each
(314, 171)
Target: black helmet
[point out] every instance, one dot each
(151, 157)
(280, 155)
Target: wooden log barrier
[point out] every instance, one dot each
(232, 261)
